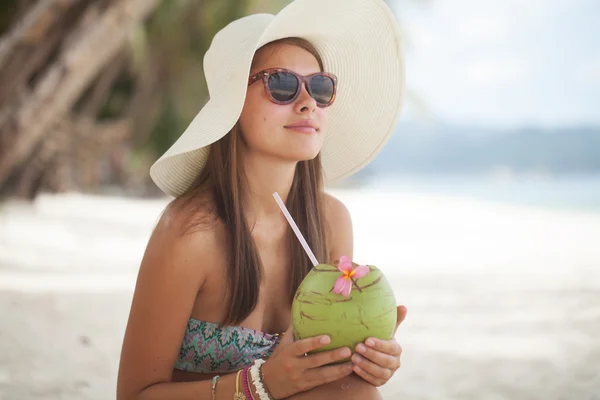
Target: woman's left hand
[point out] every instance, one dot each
(377, 360)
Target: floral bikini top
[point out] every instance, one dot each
(206, 348)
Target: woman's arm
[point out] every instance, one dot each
(200, 390)
(172, 273)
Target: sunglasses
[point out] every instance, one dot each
(283, 86)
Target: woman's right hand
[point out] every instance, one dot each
(288, 371)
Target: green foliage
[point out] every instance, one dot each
(8, 11)
(178, 34)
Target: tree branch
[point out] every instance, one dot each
(63, 83)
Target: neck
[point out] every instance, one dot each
(265, 176)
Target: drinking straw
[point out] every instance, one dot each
(295, 229)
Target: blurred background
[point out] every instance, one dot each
(484, 207)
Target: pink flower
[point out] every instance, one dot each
(343, 284)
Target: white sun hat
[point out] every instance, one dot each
(359, 42)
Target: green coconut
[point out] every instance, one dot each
(369, 310)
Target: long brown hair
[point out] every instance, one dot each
(219, 188)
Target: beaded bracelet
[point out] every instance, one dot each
(247, 389)
(214, 386)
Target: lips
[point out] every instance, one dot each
(306, 126)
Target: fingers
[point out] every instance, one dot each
(306, 345)
(380, 374)
(368, 376)
(325, 357)
(323, 375)
(390, 347)
(383, 359)
(377, 361)
(401, 314)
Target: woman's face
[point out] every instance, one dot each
(266, 125)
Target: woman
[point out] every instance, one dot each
(222, 265)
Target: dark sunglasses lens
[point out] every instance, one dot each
(283, 86)
(321, 88)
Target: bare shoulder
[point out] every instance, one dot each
(180, 238)
(336, 212)
(172, 273)
(339, 228)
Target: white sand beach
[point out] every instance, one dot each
(503, 301)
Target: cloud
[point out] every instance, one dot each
(496, 71)
(483, 28)
(589, 72)
(505, 62)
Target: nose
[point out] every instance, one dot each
(305, 104)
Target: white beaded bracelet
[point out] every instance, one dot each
(257, 381)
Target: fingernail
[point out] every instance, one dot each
(324, 339)
(356, 358)
(345, 353)
(360, 348)
(370, 342)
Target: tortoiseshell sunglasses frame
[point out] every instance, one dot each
(303, 80)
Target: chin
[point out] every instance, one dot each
(306, 151)
(304, 155)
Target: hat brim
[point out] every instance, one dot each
(359, 42)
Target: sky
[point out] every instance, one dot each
(503, 63)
